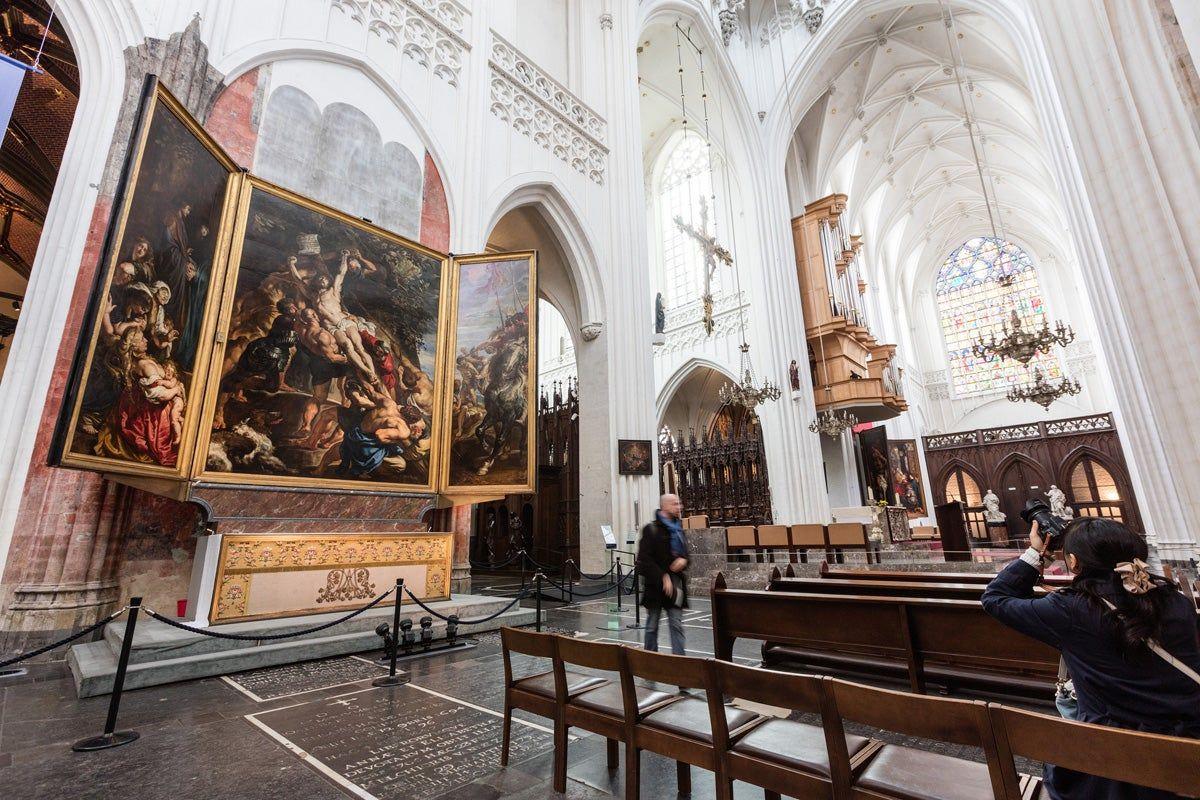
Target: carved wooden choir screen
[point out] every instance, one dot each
(723, 477)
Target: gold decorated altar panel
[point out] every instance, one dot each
(285, 575)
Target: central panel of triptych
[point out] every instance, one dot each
(244, 334)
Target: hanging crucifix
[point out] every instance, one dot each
(714, 254)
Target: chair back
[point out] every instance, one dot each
(683, 671)
(740, 536)
(530, 643)
(769, 687)
(772, 536)
(596, 655)
(944, 719)
(811, 535)
(1168, 763)
(847, 534)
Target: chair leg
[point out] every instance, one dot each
(507, 734)
(683, 777)
(769, 795)
(560, 757)
(614, 758)
(633, 773)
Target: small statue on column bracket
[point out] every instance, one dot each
(794, 378)
(660, 321)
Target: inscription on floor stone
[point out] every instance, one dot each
(402, 743)
(308, 676)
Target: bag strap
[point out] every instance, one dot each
(1162, 653)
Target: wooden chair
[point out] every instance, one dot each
(600, 710)
(806, 537)
(905, 773)
(1168, 763)
(771, 538)
(779, 755)
(847, 536)
(924, 533)
(682, 730)
(539, 693)
(739, 540)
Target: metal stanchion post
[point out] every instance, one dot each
(538, 580)
(111, 736)
(637, 605)
(393, 678)
(568, 581)
(620, 586)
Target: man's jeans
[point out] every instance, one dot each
(674, 623)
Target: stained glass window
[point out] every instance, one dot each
(977, 289)
(684, 185)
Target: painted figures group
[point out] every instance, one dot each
(313, 382)
(149, 329)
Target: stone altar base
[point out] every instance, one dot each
(163, 654)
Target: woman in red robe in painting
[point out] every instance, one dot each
(145, 425)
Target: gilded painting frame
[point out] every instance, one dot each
(447, 487)
(156, 99)
(291, 543)
(199, 466)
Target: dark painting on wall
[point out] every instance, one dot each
(133, 408)
(904, 463)
(874, 446)
(330, 361)
(492, 416)
(635, 457)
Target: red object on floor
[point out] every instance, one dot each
(181, 608)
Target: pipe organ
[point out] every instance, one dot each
(852, 370)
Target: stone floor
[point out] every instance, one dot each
(320, 731)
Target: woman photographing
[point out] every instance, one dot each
(1128, 639)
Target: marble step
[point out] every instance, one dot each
(163, 654)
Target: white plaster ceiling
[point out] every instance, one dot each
(887, 128)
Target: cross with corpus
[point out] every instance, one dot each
(714, 253)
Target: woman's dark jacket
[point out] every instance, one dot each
(1140, 691)
(653, 561)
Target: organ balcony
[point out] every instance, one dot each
(852, 370)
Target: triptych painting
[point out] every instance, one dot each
(245, 334)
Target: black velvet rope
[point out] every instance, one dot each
(462, 621)
(577, 593)
(268, 637)
(480, 565)
(61, 642)
(591, 577)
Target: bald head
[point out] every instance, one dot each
(670, 505)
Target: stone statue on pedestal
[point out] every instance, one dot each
(660, 314)
(991, 509)
(794, 375)
(1058, 503)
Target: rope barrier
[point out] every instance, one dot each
(511, 559)
(462, 621)
(61, 642)
(541, 567)
(603, 591)
(591, 577)
(267, 637)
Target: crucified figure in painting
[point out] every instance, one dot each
(327, 300)
(714, 253)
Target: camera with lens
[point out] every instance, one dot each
(1051, 527)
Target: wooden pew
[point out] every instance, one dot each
(834, 573)
(944, 591)
(948, 642)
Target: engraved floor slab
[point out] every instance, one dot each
(395, 744)
(272, 683)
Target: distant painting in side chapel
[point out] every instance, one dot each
(493, 421)
(874, 446)
(634, 457)
(137, 379)
(904, 463)
(330, 361)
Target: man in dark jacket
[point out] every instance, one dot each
(663, 556)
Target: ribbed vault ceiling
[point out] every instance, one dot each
(887, 128)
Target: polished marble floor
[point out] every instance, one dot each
(321, 731)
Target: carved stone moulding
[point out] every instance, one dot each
(591, 331)
(64, 596)
(430, 32)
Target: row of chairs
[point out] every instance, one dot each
(799, 760)
(763, 541)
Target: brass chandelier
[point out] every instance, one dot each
(1019, 344)
(833, 423)
(747, 393)
(1042, 391)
